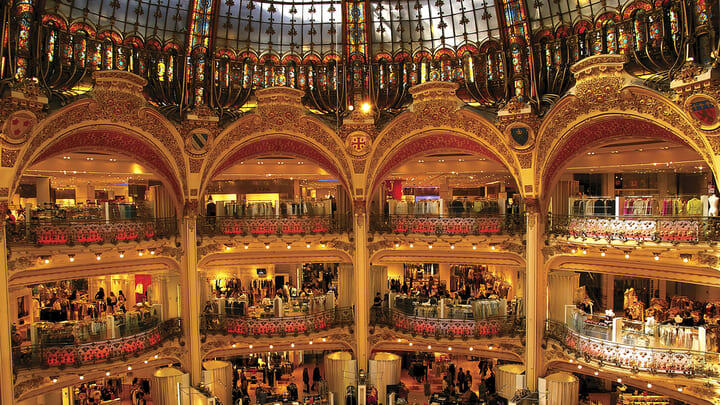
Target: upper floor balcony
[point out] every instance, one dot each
(447, 328)
(658, 229)
(236, 324)
(274, 225)
(463, 225)
(60, 231)
(87, 350)
(591, 346)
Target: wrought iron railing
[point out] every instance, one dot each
(284, 326)
(449, 225)
(446, 328)
(274, 225)
(634, 358)
(83, 232)
(96, 332)
(78, 355)
(638, 228)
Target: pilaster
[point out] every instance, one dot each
(362, 287)
(6, 376)
(191, 293)
(536, 294)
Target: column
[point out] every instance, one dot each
(362, 288)
(346, 289)
(561, 286)
(191, 294)
(608, 294)
(6, 377)
(536, 290)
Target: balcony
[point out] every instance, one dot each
(449, 225)
(273, 225)
(270, 327)
(83, 354)
(641, 229)
(634, 358)
(86, 232)
(446, 328)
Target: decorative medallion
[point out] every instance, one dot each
(358, 144)
(17, 126)
(198, 141)
(704, 110)
(521, 135)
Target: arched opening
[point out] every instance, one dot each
(94, 186)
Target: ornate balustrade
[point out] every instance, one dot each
(44, 233)
(446, 328)
(634, 358)
(268, 327)
(273, 225)
(651, 229)
(449, 225)
(78, 355)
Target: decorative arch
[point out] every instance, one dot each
(434, 125)
(116, 118)
(273, 144)
(105, 138)
(581, 121)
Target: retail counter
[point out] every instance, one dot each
(445, 309)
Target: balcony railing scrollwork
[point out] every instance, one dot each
(449, 225)
(84, 232)
(446, 328)
(284, 326)
(646, 229)
(78, 355)
(634, 358)
(274, 225)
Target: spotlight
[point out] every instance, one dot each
(140, 253)
(71, 257)
(228, 247)
(471, 349)
(271, 346)
(267, 246)
(397, 244)
(492, 246)
(602, 253)
(98, 256)
(307, 245)
(579, 367)
(156, 356)
(45, 259)
(152, 251)
(429, 245)
(311, 342)
(82, 377)
(324, 339)
(452, 246)
(649, 385)
(490, 348)
(685, 257)
(596, 373)
(250, 347)
(122, 254)
(54, 380)
(449, 348)
(292, 344)
(474, 245)
(584, 251)
(234, 345)
(656, 256)
(411, 244)
(246, 246)
(129, 368)
(322, 245)
(429, 347)
(289, 246)
(410, 344)
(573, 250)
(680, 389)
(619, 380)
(107, 374)
(627, 254)
(146, 362)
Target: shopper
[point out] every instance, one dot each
(306, 379)
(316, 377)
(451, 373)
(111, 302)
(468, 380)
(461, 380)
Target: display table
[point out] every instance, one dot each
(445, 309)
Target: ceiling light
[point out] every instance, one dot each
(619, 380)
(584, 251)
(267, 246)
(492, 246)
(54, 380)
(122, 254)
(579, 366)
(429, 347)
(474, 245)
(627, 254)
(98, 256)
(289, 245)
(307, 245)
(271, 346)
(140, 252)
(71, 257)
(250, 346)
(397, 244)
(156, 356)
(365, 107)
(449, 348)
(311, 342)
(292, 344)
(411, 244)
(351, 107)
(680, 389)
(602, 253)
(322, 245)
(452, 246)
(228, 247)
(324, 339)
(596, 373)
(410, 344)
(152, 251)
(470, 348)
(685, 257)
(146, 362)
(656, 256)
(129, 368)
(649, 385)
(246, 246)
(429, 245)
(573, 250)
(490, 347)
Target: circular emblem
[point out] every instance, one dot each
(704, 111)
(18, 126)
(198, 141)
(521, 136)
(358, 143)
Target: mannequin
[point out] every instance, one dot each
(714, 201)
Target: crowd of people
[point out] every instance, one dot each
(94, 393)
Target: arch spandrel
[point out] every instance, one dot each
(607, 103)
(280, 116)
(436, 112)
